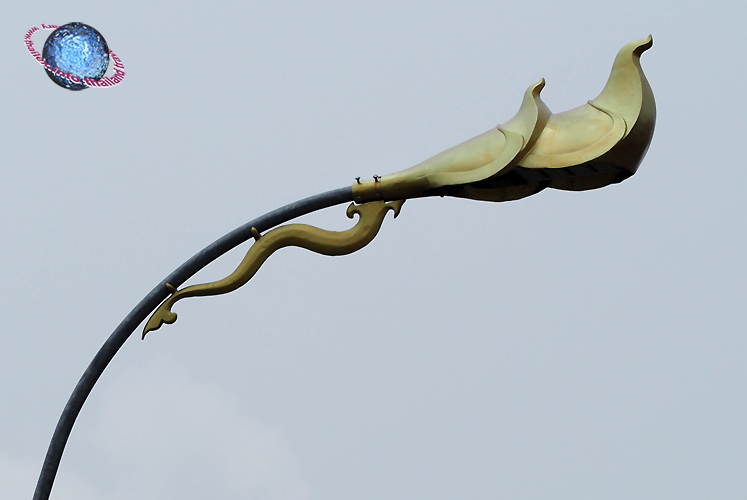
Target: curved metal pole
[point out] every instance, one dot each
(149, 304)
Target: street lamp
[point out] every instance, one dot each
(599, 143)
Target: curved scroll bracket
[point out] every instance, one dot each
(371, 215)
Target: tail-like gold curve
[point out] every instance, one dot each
(371, 215)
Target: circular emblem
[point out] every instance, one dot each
(76, 56)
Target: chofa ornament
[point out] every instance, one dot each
(599, 143)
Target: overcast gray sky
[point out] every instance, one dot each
(565, 346)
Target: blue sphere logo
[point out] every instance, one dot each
(76, 57)
(78, 50)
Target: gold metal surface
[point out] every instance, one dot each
(371, 215)
(613, 130)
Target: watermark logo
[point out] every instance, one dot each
(76, 56)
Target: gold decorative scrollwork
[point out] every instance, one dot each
(371, 215)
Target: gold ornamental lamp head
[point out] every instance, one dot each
(599, 143)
